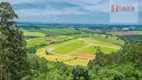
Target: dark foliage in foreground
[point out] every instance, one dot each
(13, 63)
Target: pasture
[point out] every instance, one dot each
(44, 40)
(28, 33)
(93, 50)
(69, 47)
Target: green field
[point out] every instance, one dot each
(36, 42)
(55, 45)
(137, 32)
(62, 31)
(110, 39)
(93, 50)
(70, 47)
(106, 45)
(28, 33)
(88, 50)
(43, 40)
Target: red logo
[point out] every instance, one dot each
(119, 8)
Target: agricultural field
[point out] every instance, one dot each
(123, 33)
(56, 45)
(69, 45)
(28, 33)
(70, 48)
(93, 50)
(62, 31)
(137, 32)
(129, 36)
(65, 59)
(44, 40)
(127, 33)
(106, 40)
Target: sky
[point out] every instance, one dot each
(66, 11)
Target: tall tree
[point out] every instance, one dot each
(13, 63)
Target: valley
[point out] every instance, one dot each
(70, 45)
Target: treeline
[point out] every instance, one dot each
(33, 49)
(62, 31)
(31, 37)
(131, 38)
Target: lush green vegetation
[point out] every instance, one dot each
(55, 45)
(118, 65)
(70, 47)
(61, 58)
(108, 39)
(89, 50)
(122, 65)
(71, 44)
(131, 38)
(34, 64)
(28, 33)
(62, 31)
(13, 64)
(93, 50)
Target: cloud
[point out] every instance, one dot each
(97, 8)
(47, 8)
(91, 5)
(86, 5)
(19, 1)
(50, 12)
(28, 6)
(57, 10)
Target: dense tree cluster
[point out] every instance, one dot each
(33, 49)
(13, 63)
(126, 64)
(131, 38)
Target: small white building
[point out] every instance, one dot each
(125, 29)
